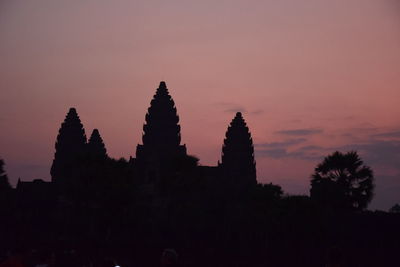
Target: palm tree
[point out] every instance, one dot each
(4, 184)
(395, 209)
(342, 181)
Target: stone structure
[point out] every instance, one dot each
(161, 147)
(70, 146)
(238, 164)
(161, 135)
(96, 147)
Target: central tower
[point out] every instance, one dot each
(161, 133)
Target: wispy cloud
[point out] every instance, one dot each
(378, 152)
(235, 109)
(257, 112)
(283, 144)
(300, 132)
(277, 149)
(394, 134)
(229, 107)
(304, 153)
(385, 154)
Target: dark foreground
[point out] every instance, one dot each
(291, 232)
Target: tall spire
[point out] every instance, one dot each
(96, 147)
(70, 145)
(161, 135)
(161, 131)
(162, 128)
(238, 153)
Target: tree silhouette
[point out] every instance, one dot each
(4, 184)
(342, 181)
(395, 209)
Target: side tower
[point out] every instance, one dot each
(238, 164)
(70, 146)
(161, 135)
(96, 147)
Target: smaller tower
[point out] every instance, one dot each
(238, 164)
(96, 147)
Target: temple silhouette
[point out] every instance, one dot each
(161, 148)
(162, 198)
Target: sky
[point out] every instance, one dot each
(310, 77)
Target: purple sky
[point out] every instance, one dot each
(310, 76)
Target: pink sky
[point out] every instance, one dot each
(310, 76)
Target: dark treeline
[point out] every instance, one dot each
(97, 207)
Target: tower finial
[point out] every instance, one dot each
(163, 84)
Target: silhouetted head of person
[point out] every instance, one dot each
(45, 256)
(334, 257)
(17, 252)
(169, 258)
(108, 263)
(15, 257)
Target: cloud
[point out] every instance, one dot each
(394, 134)
(235, 109)
(257, 112)
(378, 152)
(277, 149)
(311, 148)
(372, 148)
(229, 107)
(276, 153)
(375, 152)
(300, 132)
(283, 144)
(301, 154)
(280, 153)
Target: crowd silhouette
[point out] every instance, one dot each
(162, 208)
